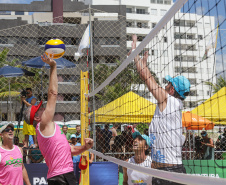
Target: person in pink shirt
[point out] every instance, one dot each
(12, 170)
(52, 143)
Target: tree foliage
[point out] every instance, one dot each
(221, 82)
(16, 83)
(120, 85)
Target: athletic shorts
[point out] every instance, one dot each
(178, 169)
(28, 129)
(63, 179)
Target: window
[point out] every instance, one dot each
(153, 25)
(193, 93)
(129, 24)
(140, 11)
(193, 104)
(208, 93)
(153, 1)
(163, 12)
(128, 37)
(19, 13)
(154, 52)
(140, 38)
(153, 11)
(160, 1)
(165, 39)
(167, 1)
(3, 40)
(128, 10)
(192, 81)
(142, 25)
(185, 69)
(200, 37)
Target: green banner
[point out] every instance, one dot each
(211, 168)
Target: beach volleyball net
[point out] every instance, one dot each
(186, 41)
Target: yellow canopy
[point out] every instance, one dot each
(6, 94)
(129, 108)
(214, 108)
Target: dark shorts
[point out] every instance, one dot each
(64, 179)
(178, 169)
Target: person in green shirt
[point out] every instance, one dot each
(64, 129)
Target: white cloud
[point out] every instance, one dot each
(200, 10)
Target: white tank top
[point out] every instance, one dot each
(165, 133)
(135, 177)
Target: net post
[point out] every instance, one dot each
(84, 178)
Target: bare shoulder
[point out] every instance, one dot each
(47, 129)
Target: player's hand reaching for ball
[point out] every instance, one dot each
(88, 143)
(48, 60)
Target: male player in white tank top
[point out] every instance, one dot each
(142, 158)
(165, 130)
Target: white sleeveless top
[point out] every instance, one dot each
(165, 133)
(135, 177)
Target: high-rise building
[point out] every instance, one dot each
(188, 35)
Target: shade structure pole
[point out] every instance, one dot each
(10, 103)
(93, 87)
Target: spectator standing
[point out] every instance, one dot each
(208, 146)
(141, 145)
(75, 158)
(65, 129)
(29, 129)
(12, 170)
(107, 135)
(78, 130)
(114, 134)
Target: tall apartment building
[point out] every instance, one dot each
(187, 33)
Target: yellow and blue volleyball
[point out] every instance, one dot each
(55, 48)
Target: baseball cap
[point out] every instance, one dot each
(73, 135)
(4, 127)
(181, 84)
(204, 133)
(145, 137)
(34, 109)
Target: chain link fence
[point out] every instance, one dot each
(111, 41)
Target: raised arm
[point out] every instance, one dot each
(141, 63)
(47, 125)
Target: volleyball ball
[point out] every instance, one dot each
(55, 48)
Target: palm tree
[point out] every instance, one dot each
(118, 86)
(221, 82)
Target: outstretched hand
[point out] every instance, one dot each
(88, 143)
(48, 60)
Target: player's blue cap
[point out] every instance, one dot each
(145, 137)
(181, 84)
(73, 135)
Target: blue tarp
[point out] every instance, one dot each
(101, 173)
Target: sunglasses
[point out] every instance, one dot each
(8, 129)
